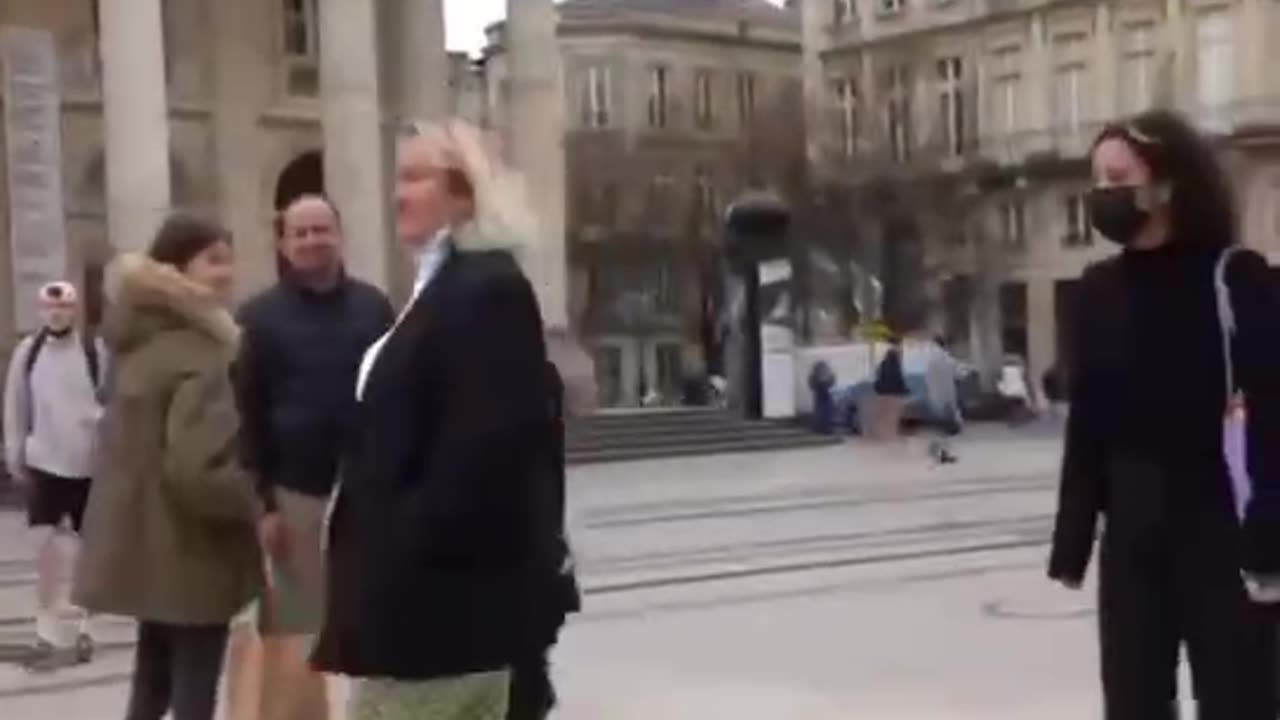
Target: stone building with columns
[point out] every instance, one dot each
(996, 102)
(116, 111)
(666, 109)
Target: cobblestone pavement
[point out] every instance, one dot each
(836, 583)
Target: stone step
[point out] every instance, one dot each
(646, 434)
(666, 435)
(719, 447)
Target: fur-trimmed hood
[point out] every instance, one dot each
(145, 298)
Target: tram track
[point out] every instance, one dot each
(745, 505)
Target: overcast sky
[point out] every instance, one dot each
(465, 21)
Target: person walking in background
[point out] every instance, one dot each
(821, 381)
(52, 405)
(944, 401)
(169, 533)
(1144, 440)
(443, 533)
(303, 340)
(890, 394)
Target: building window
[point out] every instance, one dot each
(1068, 89)
(846, 99)
(1079, 231)
(1069, 86)
(1013, 318)
(708, 209)
(609, 375)
(890, 7)
(596, 97)
(658, 76)
(301, 44)
(665, 289)
(704, 99)
(898, 111)
(951, 104)
(661, 199)
(1007, 79)
(1214, 62)
(670, 369)
(1013, 224)
(1138, 68)
(602, 204)
(842, 12)
(746, 98)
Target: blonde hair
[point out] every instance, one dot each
(502, 217)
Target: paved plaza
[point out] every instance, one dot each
(844, 582)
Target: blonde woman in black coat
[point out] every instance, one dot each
(443, 527)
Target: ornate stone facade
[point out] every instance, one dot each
(996, 102)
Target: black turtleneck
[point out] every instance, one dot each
(1168, 395)
(1148, 390)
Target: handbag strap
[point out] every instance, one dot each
(1226, 318)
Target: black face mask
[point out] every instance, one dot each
(1114, 212)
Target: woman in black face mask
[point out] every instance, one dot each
(1145, 436)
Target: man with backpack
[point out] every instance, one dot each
(52, 404)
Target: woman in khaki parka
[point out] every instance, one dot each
(169, 538)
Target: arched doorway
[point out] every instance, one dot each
(304, 175)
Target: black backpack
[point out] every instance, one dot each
(90, 346)
(87, 340)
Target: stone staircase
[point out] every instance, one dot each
(647, 434)
(643, 435)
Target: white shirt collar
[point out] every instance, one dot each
(430, 257)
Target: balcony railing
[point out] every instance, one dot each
(874, 153)
(1245, 114)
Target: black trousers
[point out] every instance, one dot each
(532, 694)
(177, 667)
(1153, 603)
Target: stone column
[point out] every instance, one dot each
(354, 147)
(1177, 57)
(535, 139)
(1039, 86)
(416, 67)
(241, 38)
(421, 63)
(1042, 329)
(1254, 63)
(135, 121)
(987, 323)
(1106, 67)
(817, 17)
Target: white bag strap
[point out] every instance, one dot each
(1226, 316)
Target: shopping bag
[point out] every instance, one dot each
(1235, 414)
(286, 608)
(269, 676)
(1235, 424)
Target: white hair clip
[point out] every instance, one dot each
(1138, 136)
